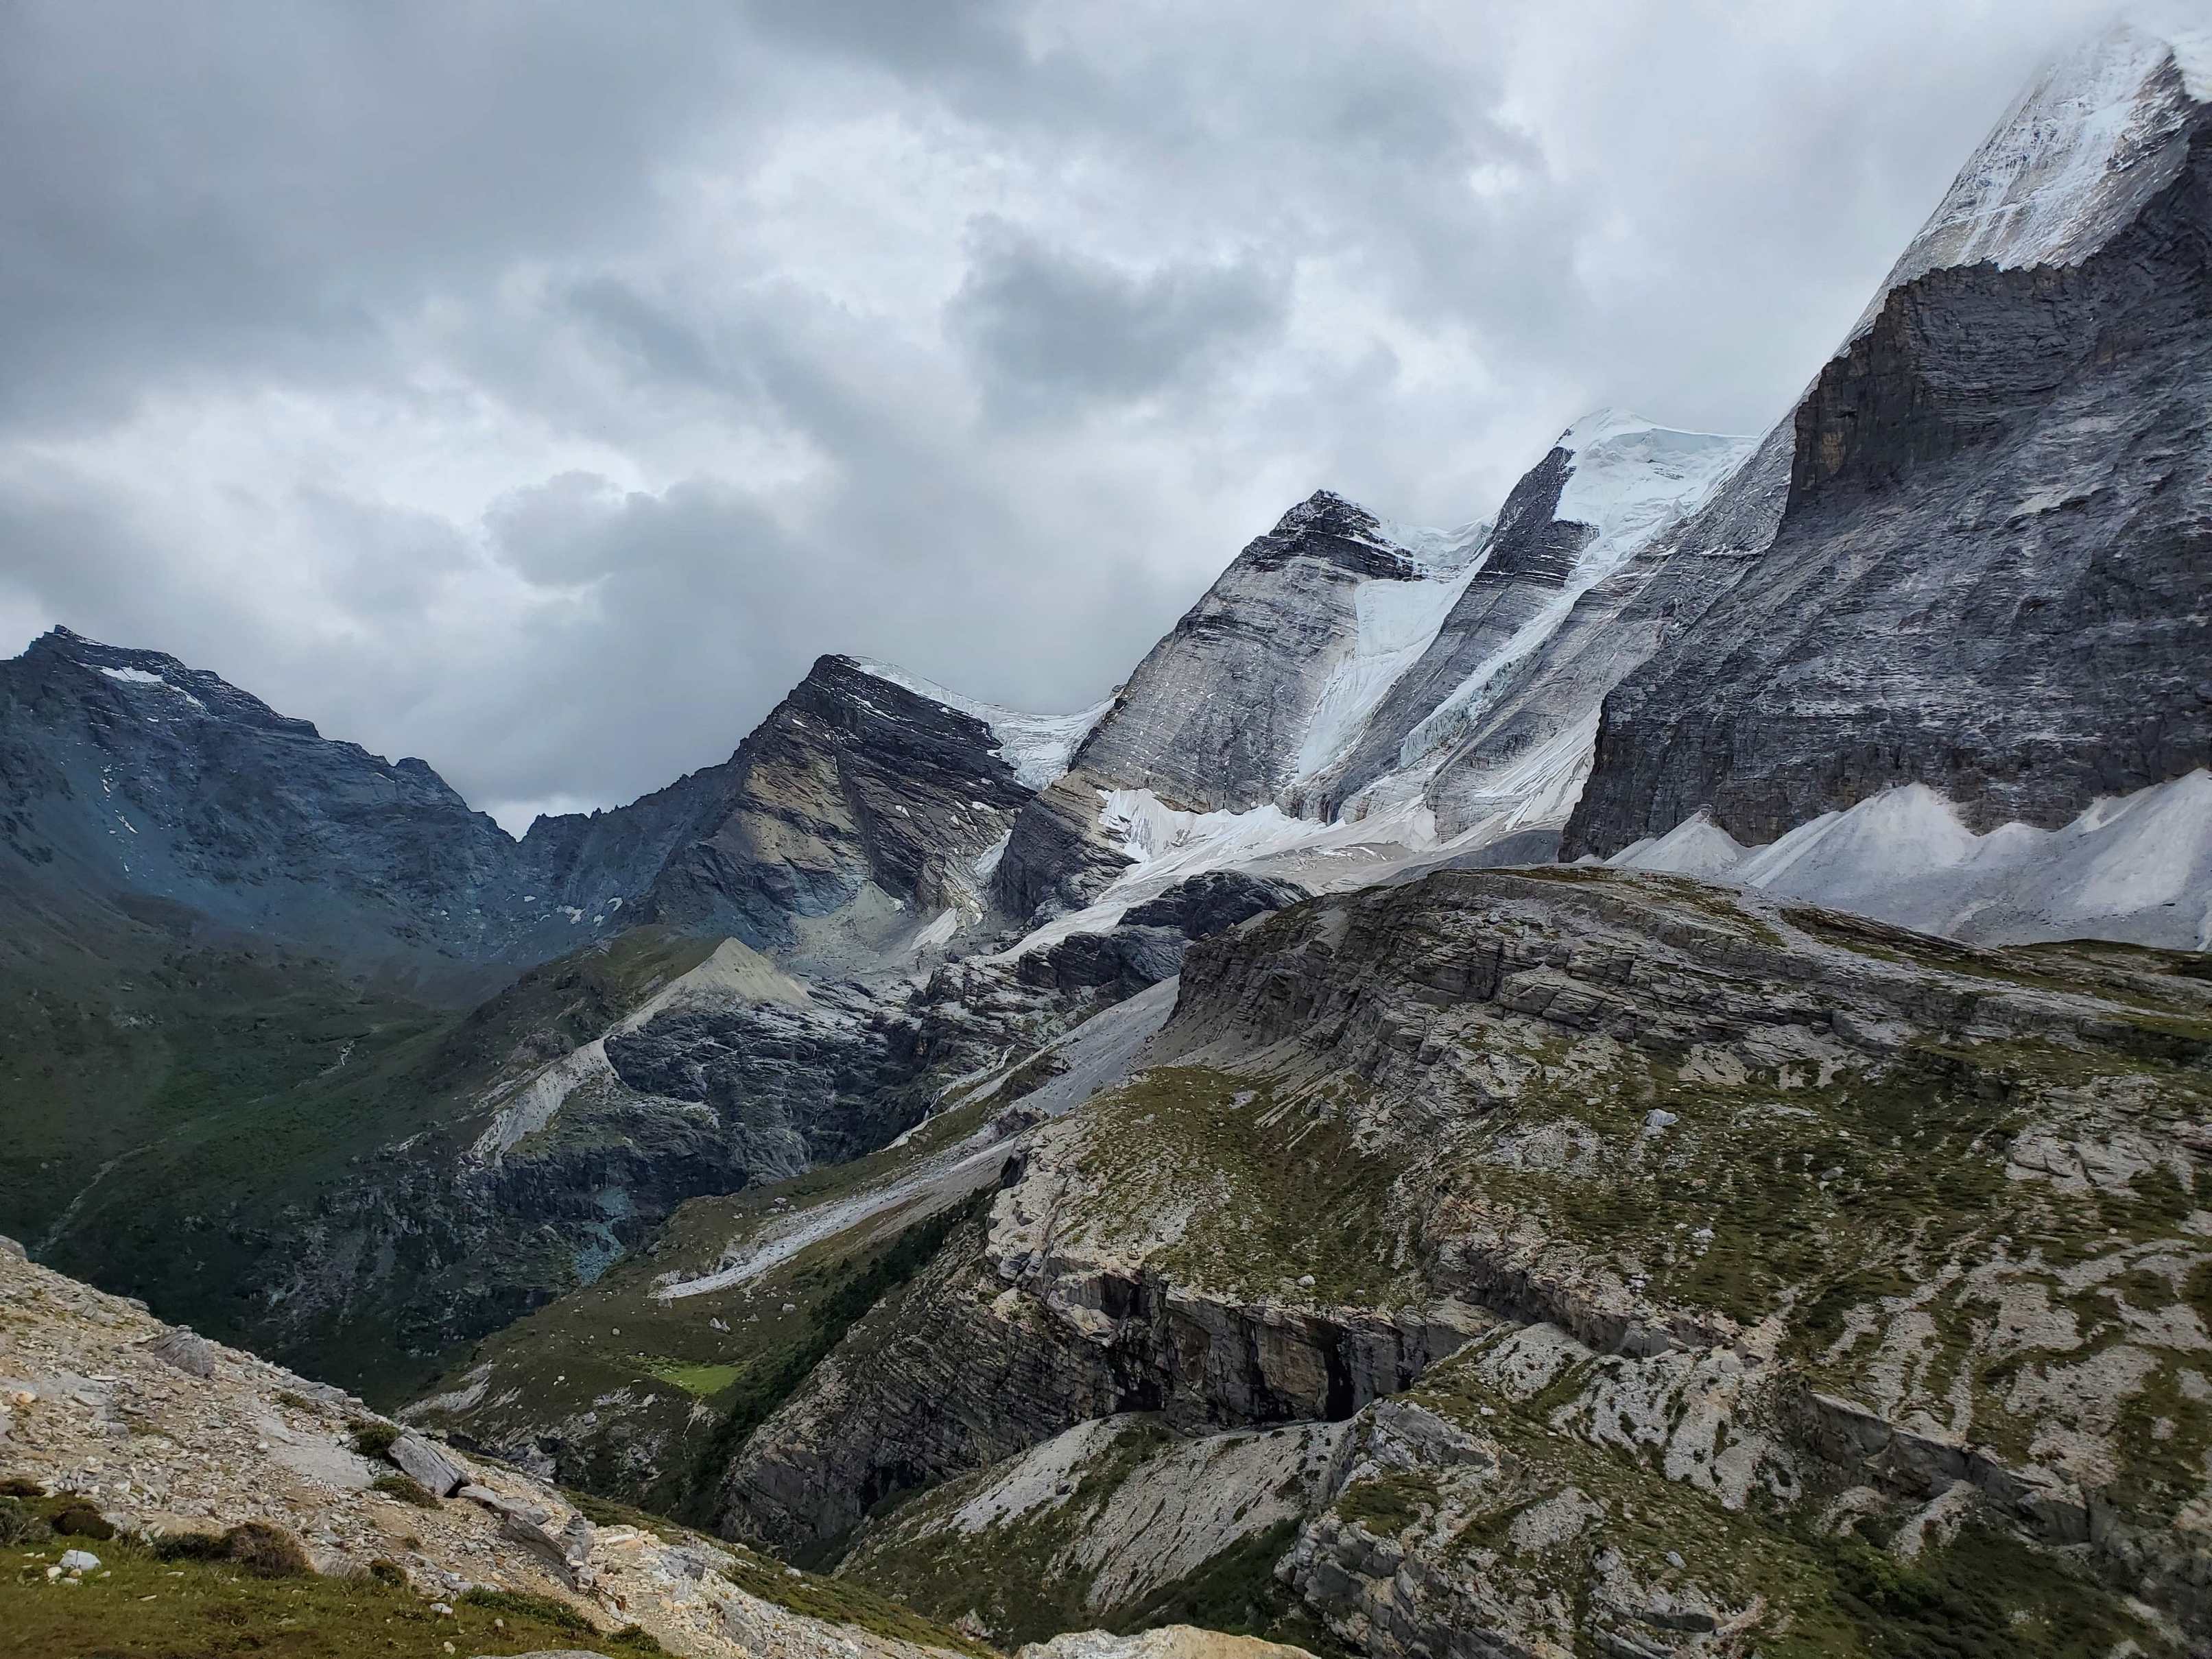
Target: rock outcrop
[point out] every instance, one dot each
(1146, 945)
(87, 1407)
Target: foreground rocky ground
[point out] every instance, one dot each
(167, 1436)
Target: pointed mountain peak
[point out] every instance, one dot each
(2098, 132)
(1327, 513)
(67, 642)
(1036, 746)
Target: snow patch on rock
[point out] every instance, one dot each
(1630, 480)
(2137, 867)
(143, 676)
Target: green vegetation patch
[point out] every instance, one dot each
(139, 1604)
(181, 1106)
(845, 1604)
(705, 1380)
(1263, 1185)
(1387, 1506)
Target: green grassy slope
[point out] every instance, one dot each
(185, 1113)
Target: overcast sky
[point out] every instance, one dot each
(539, 388)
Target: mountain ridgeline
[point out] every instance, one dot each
(1627, 1077)
(130, 773)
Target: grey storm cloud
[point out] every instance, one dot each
(1049, 329)
(540, 388)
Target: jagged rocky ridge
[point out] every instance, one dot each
(1436, 685)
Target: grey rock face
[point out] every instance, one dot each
(1214, 715)
(1117, 963)
(852, 780)
(126, 769)
(430, 1466)
(1991, 575)
(1147, 945)
(1057, 858)
(1213, 900)
(1554, 693)
(1525, 561)
(1218, 714)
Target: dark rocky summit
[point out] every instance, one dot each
(1217, 714)
(1214, 714)
(852, 782)
(126, 771)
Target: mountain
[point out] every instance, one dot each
(1988, 578)
(857, 811)
(1442, 1249)
(1280, 660)
(860, 801)
(129, 774)
(1642, 1259)
(1414, 681)
(295, 1042)
(1575, 521)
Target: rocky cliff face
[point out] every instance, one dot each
(1218, 714)
(1988, 578)
(1616, 1215)
(858, 795)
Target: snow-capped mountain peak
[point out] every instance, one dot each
(1631, 478)
(2093, 137)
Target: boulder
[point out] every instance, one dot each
(190, 1353)
(435, 1470)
